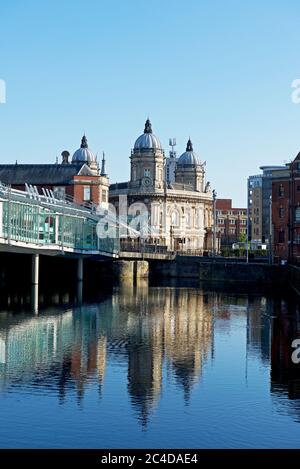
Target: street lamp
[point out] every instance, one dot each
(214, 194)
(271, 232)
(248, 221)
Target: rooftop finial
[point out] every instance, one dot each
(148, 128)
(84, 143)
(189, 146)
(103, 172)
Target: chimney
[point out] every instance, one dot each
(65, 157)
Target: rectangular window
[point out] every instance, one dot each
(104, 195)
(146, 172)
(87, 193)
(281, 191)
(281, 236)
(281, 212)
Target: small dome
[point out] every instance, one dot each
(147, 140)
(83, 154)
(189, 157)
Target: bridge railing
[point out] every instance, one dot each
(32, 223)
(136, 245)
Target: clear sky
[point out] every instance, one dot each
(218, 71)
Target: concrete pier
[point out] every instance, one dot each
(141, 269)
(130, 270)
(123, 270)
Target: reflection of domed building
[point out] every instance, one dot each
(180, 211)
(171, 327)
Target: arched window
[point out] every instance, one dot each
(175, 218)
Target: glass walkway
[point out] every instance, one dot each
(45, 221)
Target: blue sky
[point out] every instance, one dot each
(217, 71)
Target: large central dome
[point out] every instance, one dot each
(147, 140)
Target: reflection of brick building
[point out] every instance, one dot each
(79, 179)
(231, 222)
(286, 212)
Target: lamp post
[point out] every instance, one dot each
(248, 224)
(214, 194)
(270, 232)
(171, 237)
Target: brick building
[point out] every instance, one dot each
(231, 222)
(286, 212)
(259, 193)
(79, 179)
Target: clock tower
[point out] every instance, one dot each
(147, 161)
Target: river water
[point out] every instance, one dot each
(161, 367)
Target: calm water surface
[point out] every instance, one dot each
(151, 367)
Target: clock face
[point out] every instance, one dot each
(146, 181)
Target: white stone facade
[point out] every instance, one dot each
(179, 214)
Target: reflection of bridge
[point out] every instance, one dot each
(138, 327)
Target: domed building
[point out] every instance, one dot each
(79, 178)
(189, 170)
(147, 161)
(179, 212)
(83, 154)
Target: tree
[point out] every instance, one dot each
(242, 238)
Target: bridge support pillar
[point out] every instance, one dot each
(141, 269)
(130, 270)
(80, 270)
(35, 265)
(123, 270)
